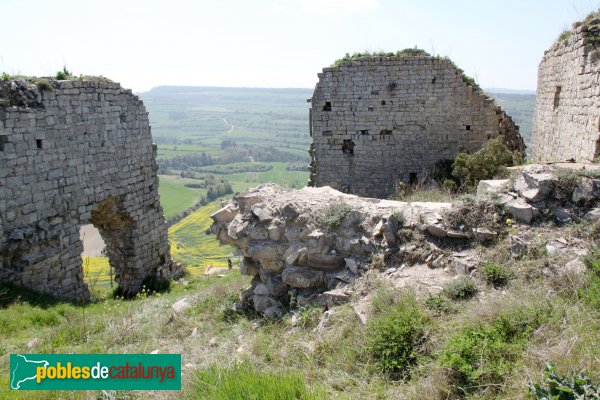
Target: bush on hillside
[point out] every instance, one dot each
(480, 356)
(462, 288)
(496, 275)
(395, 337)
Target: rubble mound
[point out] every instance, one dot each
(306, 246)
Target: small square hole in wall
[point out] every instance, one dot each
(468, 127)
(327, 106)
(3, 141)
(557, 97)
(348, 146)
(412, 178)
(364, 132)
(433, 81)
(39, 143)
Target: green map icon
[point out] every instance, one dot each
(23, 369)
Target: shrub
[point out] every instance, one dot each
(496, 275)
(64, 74)
(395, 337)
(243, 381)
(486, 163)
(481, 355)
(564, 35)
(334, 215)
(573, 387)
(462, 288)
(439, 305)
(5, 77)
(44, 85)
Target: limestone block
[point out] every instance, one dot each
(521, 210)
(491, 187)
(299, 277)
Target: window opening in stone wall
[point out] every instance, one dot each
(468, 127)
(433, 81)
(385, 132)
(383, 102)
(557, 97)
(364, 132)
(327, 133)
(3, 141)
(348, 146)
(371, 109)
(412, 178)
(39, 144)
(327, 106)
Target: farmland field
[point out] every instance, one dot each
(193, 247)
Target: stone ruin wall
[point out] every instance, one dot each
(566, 124)
(78, 152)
(381, 120)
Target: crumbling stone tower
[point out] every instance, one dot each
(566, 124)
(378, 120)
(72, 153)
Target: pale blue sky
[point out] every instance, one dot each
(274, 43)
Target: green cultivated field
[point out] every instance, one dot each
(175, 197)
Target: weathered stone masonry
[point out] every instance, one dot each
(567, 113)
(78, 153)
(380, 120)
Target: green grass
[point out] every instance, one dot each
(482, 354)
(395, 336)
(243, 381)
(175, 197)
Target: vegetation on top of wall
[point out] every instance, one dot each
(64, 74)
(413, 52)
(591, 18)
(566, 34)
(347, 59)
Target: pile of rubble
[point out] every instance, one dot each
(298, 256)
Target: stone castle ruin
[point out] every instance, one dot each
(73, 153)
(567, 114)
(378, 120)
